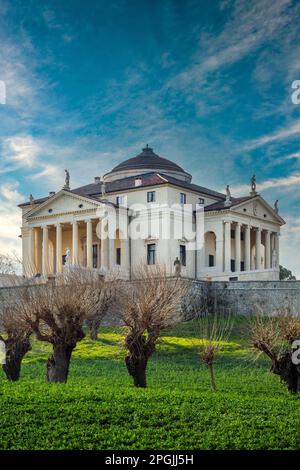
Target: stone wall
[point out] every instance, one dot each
(243, 297)
(253, 297)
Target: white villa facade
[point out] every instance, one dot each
(240, 235)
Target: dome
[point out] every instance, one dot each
(145, 162)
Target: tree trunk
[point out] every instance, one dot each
(212, 377)
(288, 372)
(58, 364)
(93, 325)
(16, 348)
(137, 369)
(94, 331)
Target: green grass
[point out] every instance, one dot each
(100, 409)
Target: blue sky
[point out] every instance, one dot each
(206, 83)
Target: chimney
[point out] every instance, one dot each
(97, 179)
(138, 182)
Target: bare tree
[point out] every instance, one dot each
(274, 337)
(17, 340)
(151, 303)
(107, 297)
(213, 330)
(56, 312)
(9, 264)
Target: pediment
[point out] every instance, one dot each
(63, 202)
(257, 207)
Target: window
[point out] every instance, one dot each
(151, 196)
(151, 248)
(242, 266)
(118, 256)
(232, 233)
(211, 261)
(182, 251)
(232, 265)
(201, 200)
(95, 256)
(121, 200)
(182, 198)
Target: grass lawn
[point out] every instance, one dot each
(100, 409)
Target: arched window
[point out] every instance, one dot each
(210, 249)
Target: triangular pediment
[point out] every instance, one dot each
(63, 202)
(257, 207)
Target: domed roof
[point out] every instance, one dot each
(147, 159)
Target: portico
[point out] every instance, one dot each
(50, 242)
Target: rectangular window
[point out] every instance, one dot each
(182, 198)
(95, 256)
(182, 249)
(201, 200)
(151, 196)
(118, 256)
(121, 200)
(151, 249)
(242, 265)
(211, 261)
(232, 233)
(232, 264)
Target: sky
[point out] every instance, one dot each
(207, 84)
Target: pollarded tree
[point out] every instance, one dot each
(56, 312)
(151, 303)
(16, 338)
(274, 336)
(213, 330)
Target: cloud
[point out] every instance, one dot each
(250, 25)
(10, 218)
(285, 182)
(22, 151)
(291, 130)
(48, 171)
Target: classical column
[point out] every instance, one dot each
(258, 248)
(31, 257)
(268, 249)
(247, 248)
(45, 261)
(58, 248)
(38, 249)
(89, 244)
(277, 249)
(75, 250)
(227, 246)
(111, 252)
(238, 246)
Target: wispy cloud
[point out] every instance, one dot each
(291, 130)
(21, 151)
(288, 182)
